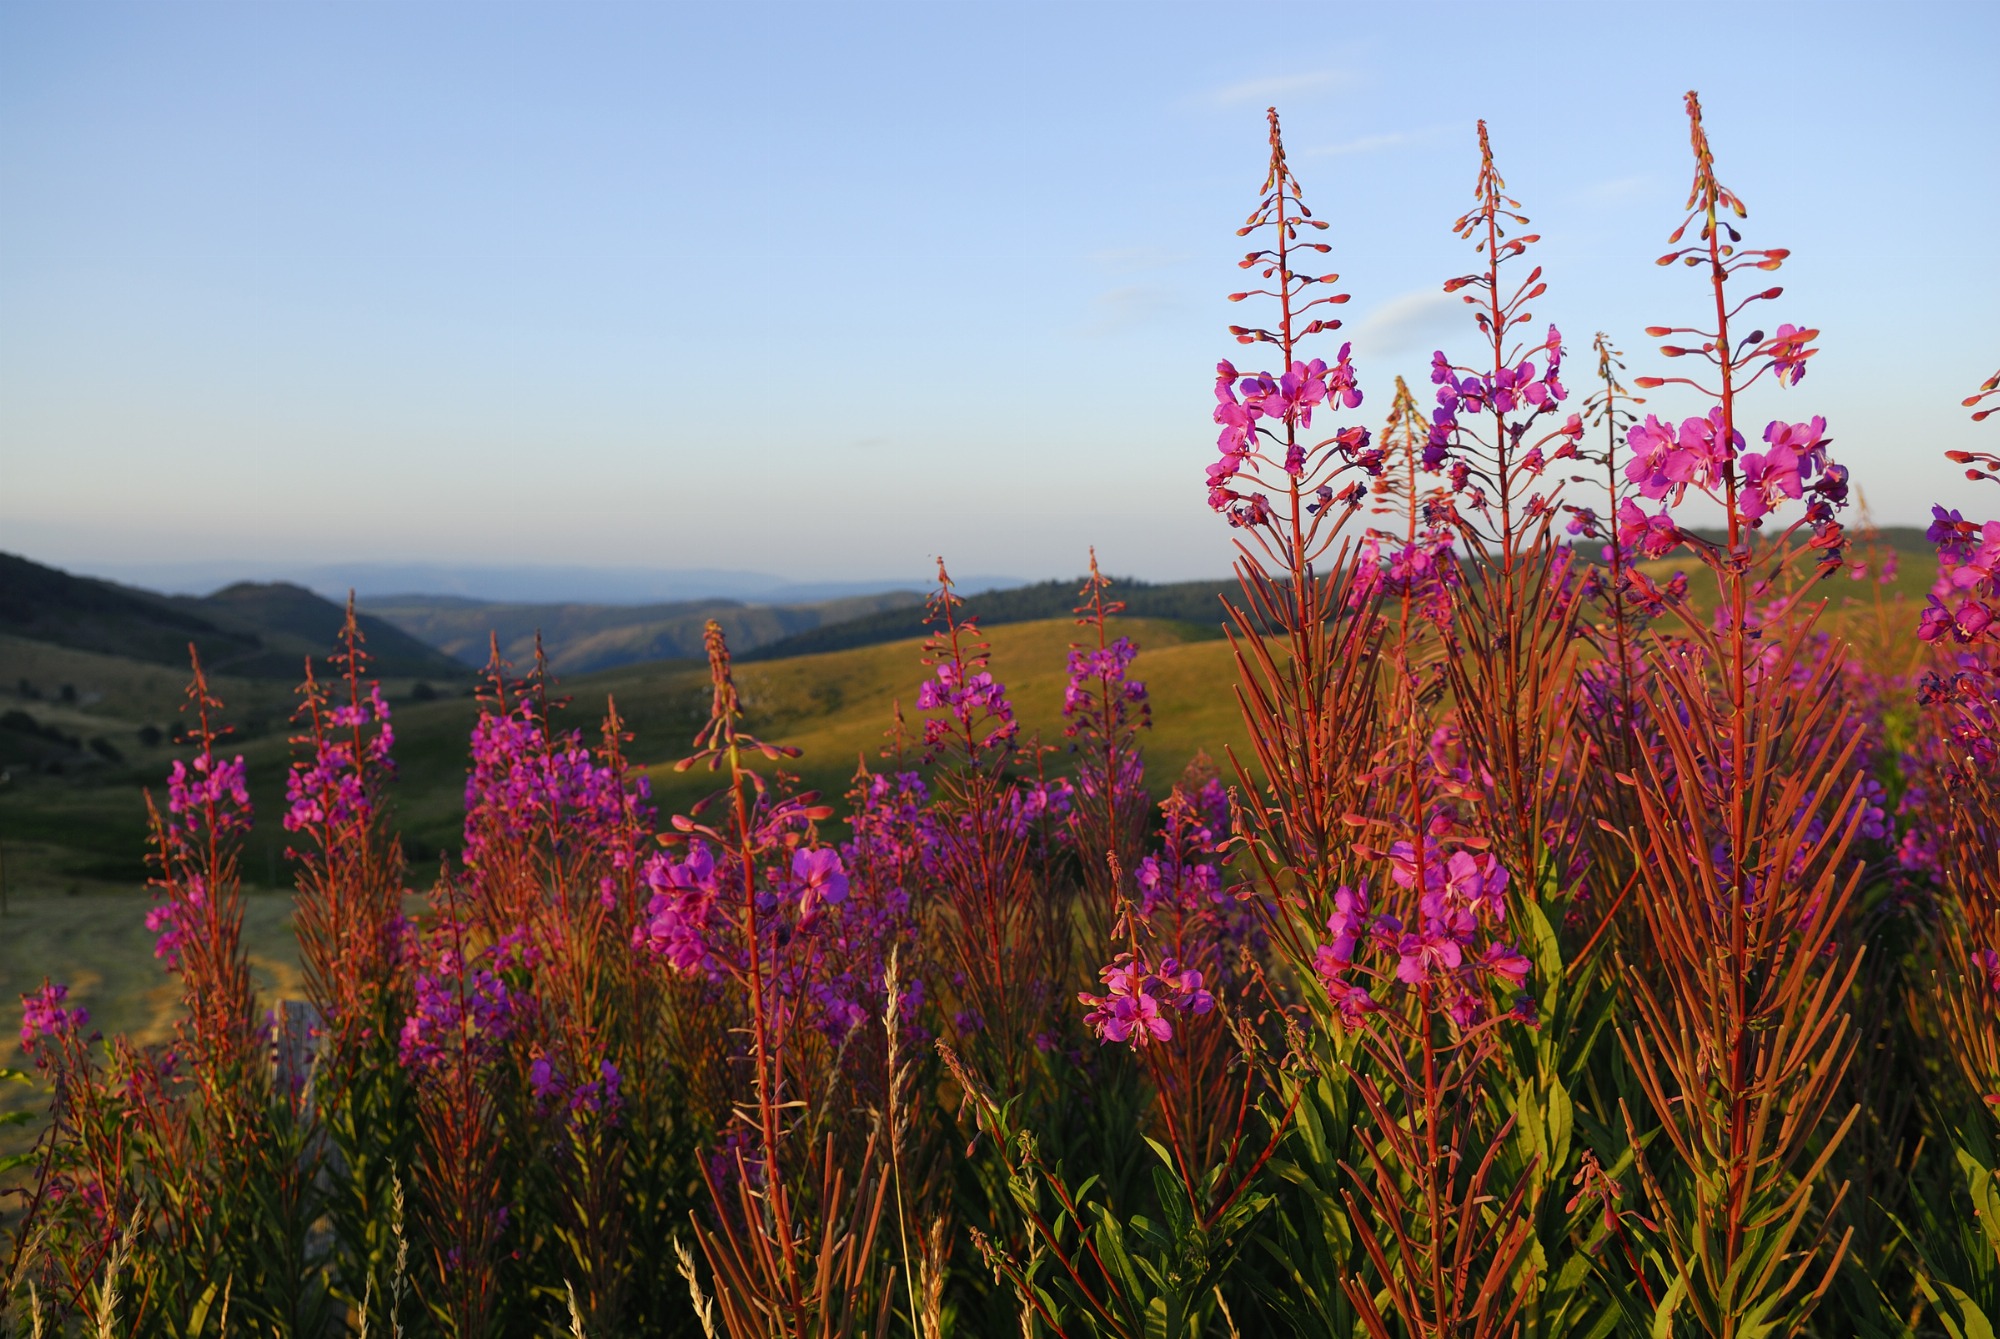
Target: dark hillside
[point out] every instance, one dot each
(47, 605)
(584, 638)
(291, 622)
(1195, 603)
(250, 629)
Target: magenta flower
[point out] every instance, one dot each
(1479, 882)
(1132, 1009)
(1965, 622)
(1186, 986)
(43, 1016)
(1348, 922)
(1703, 453)
(1128, 1011)
(678, 916)
(460, 1012)
(1789, 353)
(1768, 479)
(821, 878)
(173, 920)
(543, 1079)
(1425, 954)
(1508, 963)
(1353, 1002)
(1654, 536)
(191, 789)
(1985, 960)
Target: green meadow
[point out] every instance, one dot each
(73, 847)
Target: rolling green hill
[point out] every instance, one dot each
(1196, 604)
(72, 842)
(253, 629)
(580, 638)
(836, 706)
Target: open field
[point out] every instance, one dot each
(836, 706)
(74, 845)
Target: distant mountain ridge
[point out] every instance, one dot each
(1196, 604)
(252, 629)
(499, 583)
(582, 638)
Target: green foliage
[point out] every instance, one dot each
(15, 1119)
(1955, 1236)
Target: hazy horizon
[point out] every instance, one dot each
(819, 292)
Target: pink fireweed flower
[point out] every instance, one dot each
(192, 788)
(1347, 924)
(680, 912)
(1353, 1002)
(1132, 1009)
(821, 879)
(1185, 873)
(1654, 536)
(460, 1011)
(1034, 802)
(1245, 402)
(1789, 353)
(543, 1080)
(332, 789)
(1479, 882)
(1095, 669)
(1703, 452)
(1768, 479)
(1508, 963)
(1974, 567)
(1185, 983)
(968, 698)
(173, 920)
(45, 1020)
(1422, 955)
(1964, 622)
(1771, 477)
(1128, 1012)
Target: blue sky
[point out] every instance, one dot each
(823, 290)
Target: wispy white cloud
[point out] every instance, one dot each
(1394, 139)
(1117, 310)
(1135, 259)
(1403, 324)
(1615, 190)
(1271, 87)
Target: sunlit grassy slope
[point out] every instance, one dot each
(72, 845)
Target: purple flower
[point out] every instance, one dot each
(1425, 954)
(1347, 923)
(1352, 1001)
(679, 914)
(173, 920)
(821, 878)
(1132, 1007)
(1789, 353)
(1653, 536)
(1507, 962)
(1479, 882)
(43, 1016)
(193, 789)
(460, 1013)
(1703, 452)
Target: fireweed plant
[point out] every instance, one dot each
(1575, 948)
